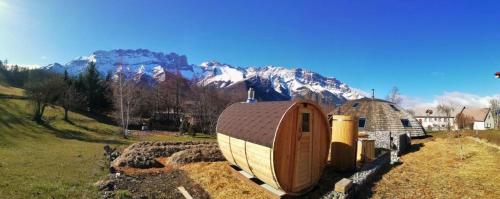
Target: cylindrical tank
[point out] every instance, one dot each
(366, 150)
(344, 142)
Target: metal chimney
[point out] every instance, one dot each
(373, 94)
(251, 96)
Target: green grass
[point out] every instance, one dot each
(56, 160)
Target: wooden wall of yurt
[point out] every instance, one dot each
(294, 157)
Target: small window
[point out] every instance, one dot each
(405, 122)
(355, 105)
(361, 122)
(306, 120)
(394, 107)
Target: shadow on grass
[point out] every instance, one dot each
(413, 148)
(76, 135)
(367, 191)
(98, 117)
(88, 128)
(326, 183)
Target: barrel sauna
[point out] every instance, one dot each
(284, 144)
(344, 142)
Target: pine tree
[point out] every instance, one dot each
(91, 83)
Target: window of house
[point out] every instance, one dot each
(394, 107)
(361, 122)
(405, 122)
(306, 123)
(355, 105)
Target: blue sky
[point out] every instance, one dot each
(425, 48)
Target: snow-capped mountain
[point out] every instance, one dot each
(142, 61)
(282, 83)
(270, 82)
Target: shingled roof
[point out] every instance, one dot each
(478, 114)
(253, 122)
(422, 112)
(382, 115)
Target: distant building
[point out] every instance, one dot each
(433, 120)
(483, 118)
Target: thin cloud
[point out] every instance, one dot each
(3, 4)
(454, 98)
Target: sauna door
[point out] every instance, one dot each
(303, 154)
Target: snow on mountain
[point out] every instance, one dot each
(271, 82)
(143, 60)
(283, 81)
(222, 75)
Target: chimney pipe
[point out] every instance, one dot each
(251, 96)
(373, 94)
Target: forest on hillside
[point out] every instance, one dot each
(173, 104)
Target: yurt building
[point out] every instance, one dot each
(391, 126)
(284, 144)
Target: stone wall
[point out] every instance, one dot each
(362, 178)
(399, 142)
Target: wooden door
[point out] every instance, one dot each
(303, 151)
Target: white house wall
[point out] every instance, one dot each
(436, 123)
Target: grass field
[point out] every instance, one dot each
(444, 167)
(57, 160)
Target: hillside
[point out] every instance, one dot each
(57, 160)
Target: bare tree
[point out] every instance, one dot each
(42, 89)
(394, 96)
(70, 99)
(464, 121)
(446, 109)
(125, 98)
(495, 109)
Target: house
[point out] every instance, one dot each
(432, 119)
(482, 118)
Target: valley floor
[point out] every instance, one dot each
(64, 160)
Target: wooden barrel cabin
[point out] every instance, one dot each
(284, 144)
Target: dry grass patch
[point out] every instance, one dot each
(440, 169)
(218, 180)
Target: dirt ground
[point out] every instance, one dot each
(442, 167)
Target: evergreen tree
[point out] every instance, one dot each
(96, 90)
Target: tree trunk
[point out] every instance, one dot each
(66, 114)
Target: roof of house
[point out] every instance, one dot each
(478, 114)
(382, 115)
(422, 111)
(253, 122)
